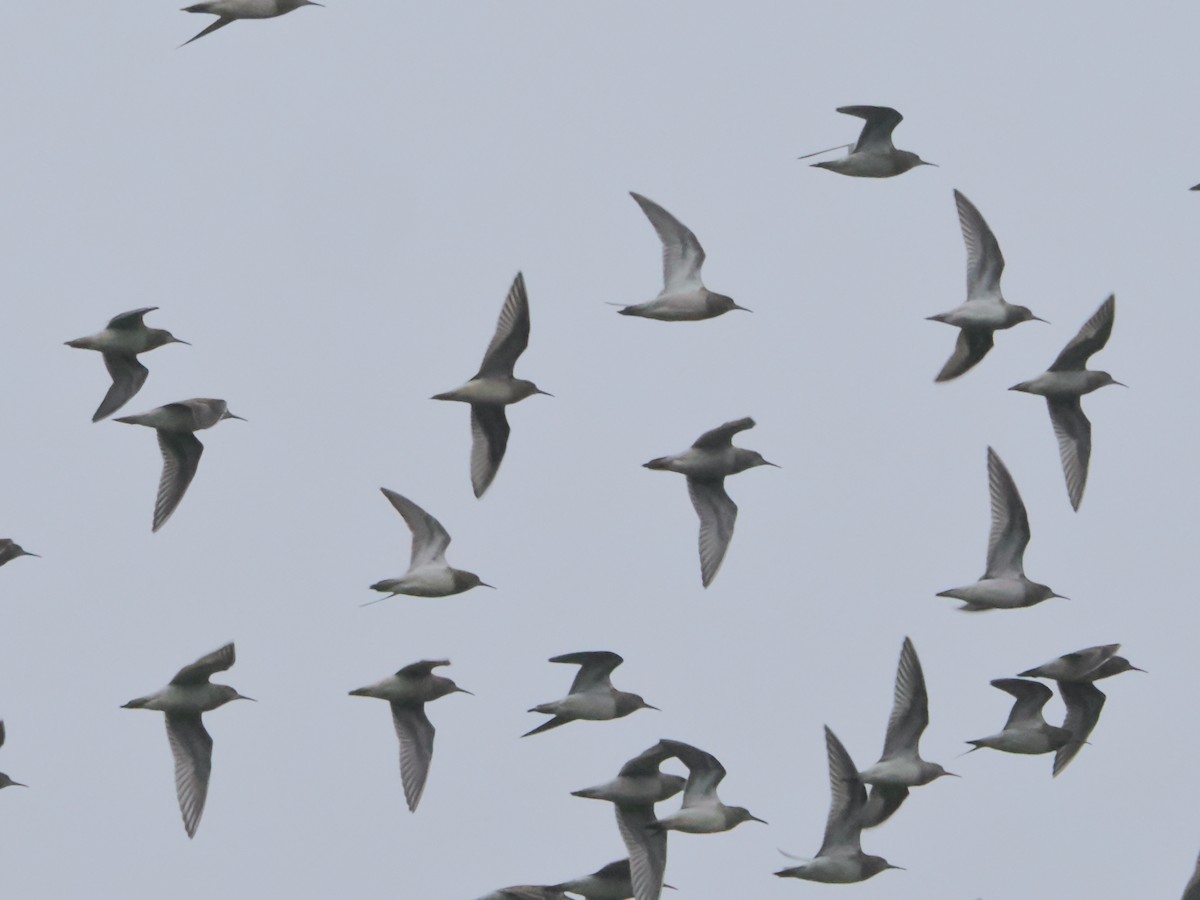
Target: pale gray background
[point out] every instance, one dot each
(331, 207)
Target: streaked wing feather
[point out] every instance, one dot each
(1084, 704)
(429, 538)
(843, 828)
(1010, 525)
(1091, 338)
(985, 262)
(181, 452)
(1073, 431)
(489, 440)
(415, 732)
(647, 849)
(682, 254)
(512, 333)
(192, 749)
(206, 666)
(910, 706)
(717, 513)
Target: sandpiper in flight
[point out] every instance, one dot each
(592, 695)
(408, 691)
(176, 424)
(1063, 384)
(232, 10)
(874, 155)
(428, 575)
(684, 298)
(189, 694)
(120, 343)
(901, 766)
(985, 310)
(494, 387)
(706, 464)
(1003, 585)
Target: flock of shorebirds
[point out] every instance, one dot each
(861, 798)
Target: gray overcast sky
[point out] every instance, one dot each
(331, 206)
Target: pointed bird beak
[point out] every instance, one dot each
(27, 553)
(901, 868)
(743, 309)
(648, 706)
(757, 819)
(178, 341)
(462, 690)
(1121, 383)
(1060, 596)
(547, 393)
(229, 415)
(244, 697)
(1040, 319)
(1136, 669)
(952, 774)
(486, 585)
(924, 162)
(772, 465)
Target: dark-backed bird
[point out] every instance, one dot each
(494, 388)
(985, 310)
(1063, 384)
(189, 694)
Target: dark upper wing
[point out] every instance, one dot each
(717, 513)
(877, 132)
(489, 440)
(128, 376)
(1009, 535)
(1091, 338)
(205, 667)
(985, 262)
(910, 707)
(429, 538)
(1073, 431)
(512, 333)
(704, 771)
(1192, 891)
(595, 666)
(220, 23)
(131, 319)
(422, 669)
(682, 254)
(647, 762)
(181, 452)
(882, 801)
(843, 829)
(415, 732)
(1084, 702)
(647, 849)
(1031, 697)
(722, 435)
(972, 346)
(192, 749)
